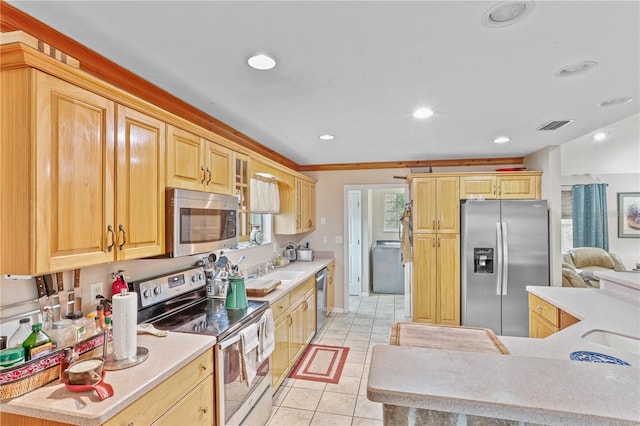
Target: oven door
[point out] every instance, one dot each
(235, 401)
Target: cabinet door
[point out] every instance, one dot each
(311, 209)
(424, 278)
(140, 190)
(448, 205)
(241, 184)
(280, 355)
(330, 287)
(539, 327)
(74, 166)
(514, 187)
(474, 186)
(218, 168)
(185, 160)
(423, 194)
(309, 316)
(298, 336)
(448, 279)
(196, 408)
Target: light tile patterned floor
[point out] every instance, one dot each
(303, 402)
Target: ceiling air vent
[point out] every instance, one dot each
(554, 125)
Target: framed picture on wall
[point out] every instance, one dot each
(628, 214)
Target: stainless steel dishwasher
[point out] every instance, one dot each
(388, 275)
(321, 297)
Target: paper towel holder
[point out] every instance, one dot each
(112, 364)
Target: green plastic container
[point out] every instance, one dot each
(38, 343)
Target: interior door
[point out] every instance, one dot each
(355, 242)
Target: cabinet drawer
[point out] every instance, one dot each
(300, 292)
(154, 404)
(280, 306)
(196, 408)
(545, 309)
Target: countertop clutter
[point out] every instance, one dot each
(537, 383)
(167, 355)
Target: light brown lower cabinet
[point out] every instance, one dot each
(187, 397)
(546, 318)
(295, 325)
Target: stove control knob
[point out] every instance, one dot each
(146, 292)
(157, 290)
(194, 279)
(196, 328)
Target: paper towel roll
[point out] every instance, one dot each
(124, 318)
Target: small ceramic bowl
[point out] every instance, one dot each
(85, 372)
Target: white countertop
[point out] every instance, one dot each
(537, 383)
(166, 356)
(306, 270)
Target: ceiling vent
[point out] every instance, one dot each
(554, 125)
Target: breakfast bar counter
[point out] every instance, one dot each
(537, 383)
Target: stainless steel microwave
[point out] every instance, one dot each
(199, 222)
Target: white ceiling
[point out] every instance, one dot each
(358, 69)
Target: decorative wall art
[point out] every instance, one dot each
(628, 214)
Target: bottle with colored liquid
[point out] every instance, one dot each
(38, 343)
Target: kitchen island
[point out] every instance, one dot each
(537, 383)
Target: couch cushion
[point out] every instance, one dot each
(591, 256)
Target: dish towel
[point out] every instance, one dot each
(405, 244)
(248, 352)
(266, 336)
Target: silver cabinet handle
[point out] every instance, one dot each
(499, 256)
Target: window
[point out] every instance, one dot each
(393, 204)
(566, 221)
(265, 221)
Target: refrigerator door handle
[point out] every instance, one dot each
(499, 258)
(505, 259)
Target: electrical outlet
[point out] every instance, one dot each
(96, 290)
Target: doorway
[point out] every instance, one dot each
(360, 217)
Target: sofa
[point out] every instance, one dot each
(579, 264)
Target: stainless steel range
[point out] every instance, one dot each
(177, 302)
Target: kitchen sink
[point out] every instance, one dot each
(613, 340)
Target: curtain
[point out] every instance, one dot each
(589, 208)
(265, 196)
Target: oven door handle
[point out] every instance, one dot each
(235, 339)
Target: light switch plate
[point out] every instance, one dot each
(338, 239)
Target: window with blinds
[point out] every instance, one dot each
(566, 221)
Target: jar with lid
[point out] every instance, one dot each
(80, 325)
(38, 344)
(62, 334)
(24, 330)
(91, 325)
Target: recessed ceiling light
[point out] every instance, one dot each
(615, 101)
(600, 136)
(327, 137)
(501, 139)
(261, 62)
(422, 113)
(507, 13)
(573, 69)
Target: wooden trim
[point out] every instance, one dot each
(408, 164)
(12, 19)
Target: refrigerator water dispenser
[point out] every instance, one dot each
(483, 260)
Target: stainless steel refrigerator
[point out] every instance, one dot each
(504, 248)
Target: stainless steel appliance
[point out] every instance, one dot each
(177, 302)
(504, 248)
(321, 297)
(388, 274)
(199, 222)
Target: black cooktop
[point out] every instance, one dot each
(210, 317)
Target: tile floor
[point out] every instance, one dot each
(304, 402)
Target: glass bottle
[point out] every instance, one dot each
(91, 325)
(70, 356)
(38, 343)
(62, 333)
(24, 330)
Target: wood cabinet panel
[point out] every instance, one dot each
(331, 270)
(156, 402)
(185, 162)
(545, 309)
(546, 318)
(140, 184)
(436, 205)
(280, 356)
(480, 185)
(196, 408)
(448, 279)
(448, 205)
(219, 167)
(424, 278)
(539, 327)
(518, 187)
(423, 194)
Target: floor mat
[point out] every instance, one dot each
(321, 363)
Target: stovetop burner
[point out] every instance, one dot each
(210, 317)
(178, 302)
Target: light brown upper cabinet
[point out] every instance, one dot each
(140, 193)
(59, 174)
(305, 205)
(297, 206)
(436, 205)
(196, 163)
(504, 186)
